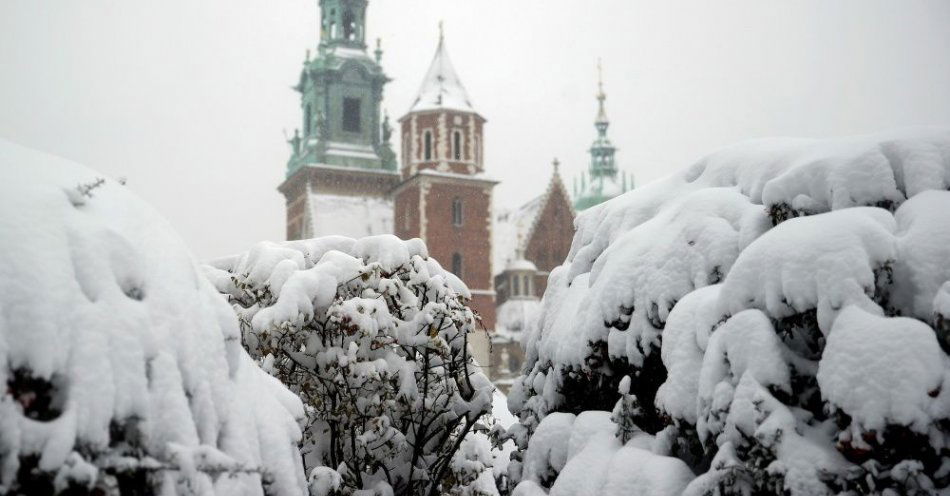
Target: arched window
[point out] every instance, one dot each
(516, 286)
(427, 144)
(457, 264)
(457, 145)
(457, 212)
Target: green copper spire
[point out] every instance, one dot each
(602, 151)
(602, 172)
(341, 93)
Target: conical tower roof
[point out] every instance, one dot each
(442, 89)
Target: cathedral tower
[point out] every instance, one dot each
(342, 165)
(445, 199)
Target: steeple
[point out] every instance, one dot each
(604, 180)
(602, 151)
(442, 89)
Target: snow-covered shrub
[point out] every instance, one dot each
(122, 369)
(372, 335)
(779, 309)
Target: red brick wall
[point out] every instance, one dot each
(471, 240)
(406, 213)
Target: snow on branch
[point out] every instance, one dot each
(771, 320)
(372, 334)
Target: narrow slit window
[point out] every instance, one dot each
(427, 145)
(457, 212)
(457, 144)
(307, 117)
(457, 265)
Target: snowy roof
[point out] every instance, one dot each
(511, 230)
(521, 264)
(514, 227)
(442, 89)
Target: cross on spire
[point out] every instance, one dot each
(557, 165)
(601, 97)
(600, 77)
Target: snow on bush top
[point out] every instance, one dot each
(750, 312)
(372, 334)
(123, 367)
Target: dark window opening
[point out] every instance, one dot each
(457, 212)
(349, 25)
(516, 287)
(351, 115)
(457, 145)
(457, 265)
(307, 117)
(428, 145)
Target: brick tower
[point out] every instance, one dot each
(444, 198)
(342, 166)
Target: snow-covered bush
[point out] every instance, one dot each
(771, 318)
(122, 369)
(372, 335)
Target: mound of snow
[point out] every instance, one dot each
(124, 368)
(773, 315)
(593, 462)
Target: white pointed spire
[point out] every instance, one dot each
(442, 88)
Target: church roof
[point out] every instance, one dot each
(510, 232)
(442, 89)
(513, 229)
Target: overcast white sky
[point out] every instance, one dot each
(188, 99)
